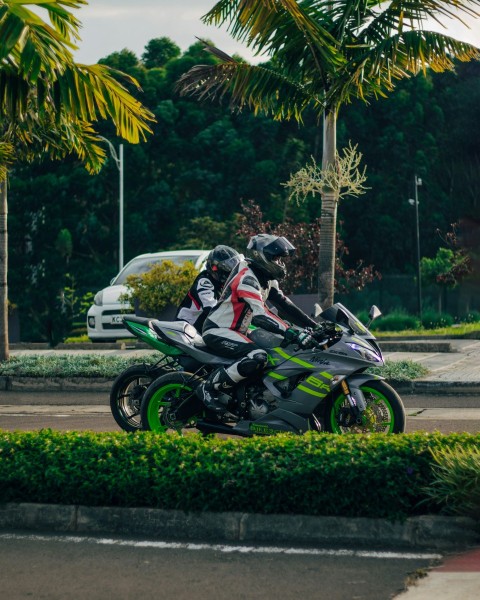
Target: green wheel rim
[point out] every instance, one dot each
(374, 398)
(162, 399)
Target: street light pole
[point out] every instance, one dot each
(415, 203)
(118, 159)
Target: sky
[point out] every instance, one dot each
(111, 25)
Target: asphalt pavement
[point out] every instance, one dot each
(453, 369)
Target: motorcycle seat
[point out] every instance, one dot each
(183, 327)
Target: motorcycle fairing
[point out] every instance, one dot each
(142, 328)
(274, 422)
(188, 340)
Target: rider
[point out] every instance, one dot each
(205, 290)
(243, 302)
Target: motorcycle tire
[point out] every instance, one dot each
(170, 403)
(385, 412)
(127, 392)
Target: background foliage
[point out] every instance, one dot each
(185, 186)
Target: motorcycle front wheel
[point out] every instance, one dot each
(385, 412)
(170, 403)
(127, 393)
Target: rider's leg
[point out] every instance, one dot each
(224, 379)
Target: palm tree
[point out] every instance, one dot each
(48, 102)
(325, 53)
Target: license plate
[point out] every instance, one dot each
(116, 319)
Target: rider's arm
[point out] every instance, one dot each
(289, 309)
(250, 292)
(205, 293)
(199, 301)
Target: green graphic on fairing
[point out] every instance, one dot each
(261, 429)
(318, 385)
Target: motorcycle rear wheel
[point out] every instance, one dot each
(127, 393)
(385, 412)
(164, 397)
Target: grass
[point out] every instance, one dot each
(400, 370)
(95, 365)
(453, 330)
(69, 365)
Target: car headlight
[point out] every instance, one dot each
(365, 353)
(98, 299)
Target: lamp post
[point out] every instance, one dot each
(118, 159)
(414, 202)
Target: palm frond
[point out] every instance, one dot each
(407, 15)
(39, 135)
(252, 86)
(36, 56)
(272, 25)
(91, 92)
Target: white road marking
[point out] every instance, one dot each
(160, 545)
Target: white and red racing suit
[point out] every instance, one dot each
(243, 302)
(199, 300)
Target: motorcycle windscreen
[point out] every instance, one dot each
(342, 316)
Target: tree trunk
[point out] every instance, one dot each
(4, 350)
(328, 230)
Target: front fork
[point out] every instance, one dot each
(356, 400)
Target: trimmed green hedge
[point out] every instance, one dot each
(316, 474)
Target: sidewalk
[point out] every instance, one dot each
(457, 578)
(456, 370)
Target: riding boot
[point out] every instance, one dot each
(209, 391)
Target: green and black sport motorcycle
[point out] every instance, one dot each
(128, 388)
(320, 383)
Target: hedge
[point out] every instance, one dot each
(316, 474)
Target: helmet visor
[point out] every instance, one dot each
(229, 264)
(279, 247)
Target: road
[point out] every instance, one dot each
(61, 567)
(81, 411)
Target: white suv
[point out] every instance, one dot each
(104, 318)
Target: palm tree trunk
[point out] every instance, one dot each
(328, 230)
(4, 350)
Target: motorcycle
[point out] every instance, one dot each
(128, 388)
(319, 382)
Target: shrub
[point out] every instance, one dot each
(373, 475)
(471, 317)
(70, 365)
(456, 480)
(397, 320)
(434, 320)
(165, 283)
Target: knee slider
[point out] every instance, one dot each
(253, 362)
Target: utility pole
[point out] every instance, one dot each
(118, 158)
(415, 203)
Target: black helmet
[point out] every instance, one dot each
(265, 251)
(221, 261)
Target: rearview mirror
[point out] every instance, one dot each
(374, 313)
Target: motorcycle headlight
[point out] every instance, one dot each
(98, 300)
(365, 353)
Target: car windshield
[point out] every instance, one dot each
(142, 265)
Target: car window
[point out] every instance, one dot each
(142, 265)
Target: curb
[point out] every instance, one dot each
(440, 388)
(416, 346)
(427, 532)
(10, 383)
